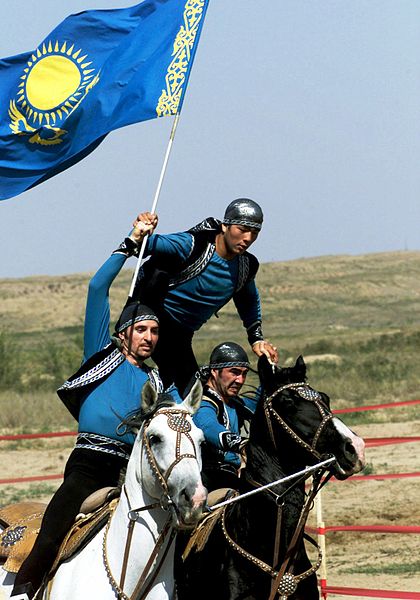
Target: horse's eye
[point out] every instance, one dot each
(154, 439)
(290, 405)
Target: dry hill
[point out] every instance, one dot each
(356, 318)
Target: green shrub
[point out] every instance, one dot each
(9, 360)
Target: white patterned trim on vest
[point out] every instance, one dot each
(154, 377)
(195, 268)
(243, 272)
(107, 365)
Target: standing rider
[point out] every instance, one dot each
(193, 274)
(105, 390)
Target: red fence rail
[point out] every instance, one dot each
(372, 442)
(33, 436)
(365, 593)
(366, 528)
(375, 406)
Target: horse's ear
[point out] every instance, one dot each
(193, 400)
(300, 367)
(148, 397)
(266, 369)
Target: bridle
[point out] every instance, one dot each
(177, 421)
(285, 583)
(308, 393)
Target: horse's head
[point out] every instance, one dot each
(297, 413)
(170, 464)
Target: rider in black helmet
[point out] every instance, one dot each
(222, 414)
(193, 274)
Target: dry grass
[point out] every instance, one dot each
(336, 294)
(363, 310)
(26, 412)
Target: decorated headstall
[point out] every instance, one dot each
(309, 394)
(177, 421)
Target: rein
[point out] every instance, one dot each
(266, 487)
(177, 421)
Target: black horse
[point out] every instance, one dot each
(256, 549)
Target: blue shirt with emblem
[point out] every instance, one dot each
(208, 418)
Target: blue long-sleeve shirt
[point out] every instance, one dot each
(103, 409)
(216, 426)
(193, 302)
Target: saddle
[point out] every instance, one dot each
(22, 522)
(216, 496)
(201, 532)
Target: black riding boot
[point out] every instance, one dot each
(24, 591)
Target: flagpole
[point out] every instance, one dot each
(155, 201)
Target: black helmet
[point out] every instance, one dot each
(244, 211)
(132, 313)
(228, 354)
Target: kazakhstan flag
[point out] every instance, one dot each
(97, 71)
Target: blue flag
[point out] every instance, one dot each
(97, 71)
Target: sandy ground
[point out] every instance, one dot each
(387, 561)
(354, 559)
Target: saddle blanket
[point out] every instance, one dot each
(22, 522)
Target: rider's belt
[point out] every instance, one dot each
(100, 443)
(229, 468)
(216, 467)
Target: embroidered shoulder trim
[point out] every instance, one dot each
(243, 271)
(192, 246)
(219, 404)
(107, 365)
(195, 268)
(154, 378)
(211, 402)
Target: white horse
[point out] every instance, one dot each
(132, 556)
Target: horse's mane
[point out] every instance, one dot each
(134, 421)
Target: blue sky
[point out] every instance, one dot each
(311, 107)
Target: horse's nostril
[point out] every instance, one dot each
(349, 449)
(188, 495)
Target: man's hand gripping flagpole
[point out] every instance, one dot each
(155, 201)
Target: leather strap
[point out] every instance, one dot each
(138, 594)
(277, 540)
(297, 534)
(126, 553)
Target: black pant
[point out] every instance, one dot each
(225, 476)
(174, 354)
(86, 471)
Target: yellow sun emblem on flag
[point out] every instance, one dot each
(55, 81)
